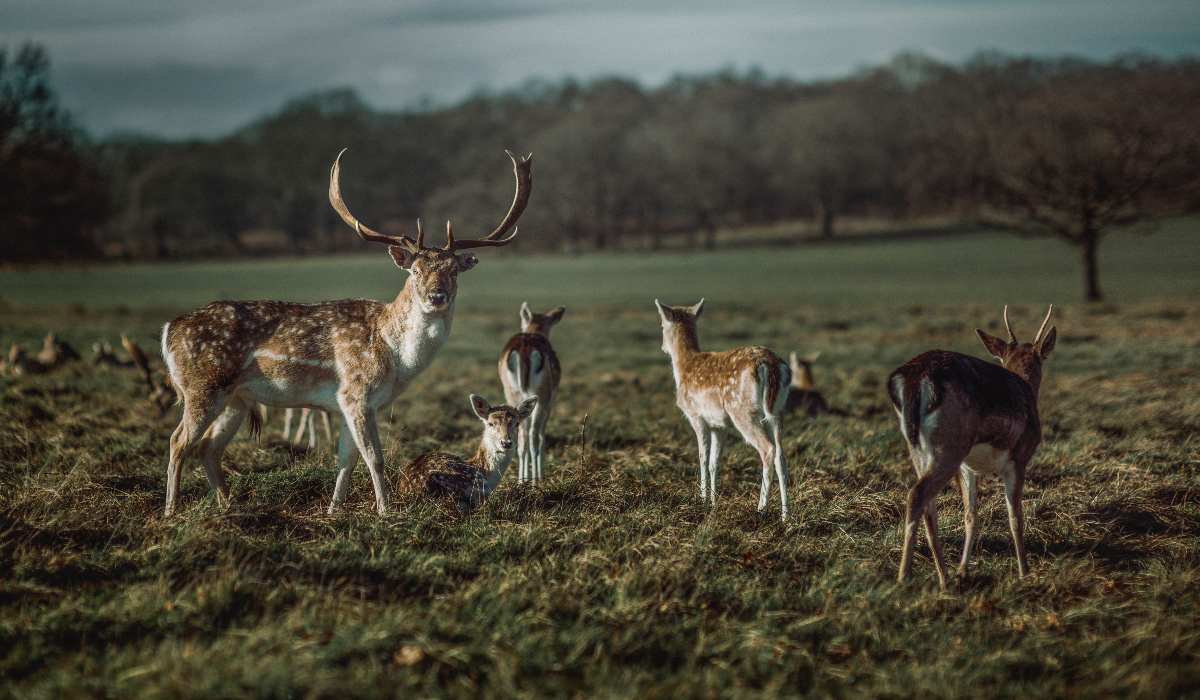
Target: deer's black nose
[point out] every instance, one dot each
(437, 298)
(506, 444)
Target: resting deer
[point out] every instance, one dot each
(469, 481)
(352, 356)
(803, 396)
(963, 416)
(746, 387)
(529, 368)
(21, 364)
(55, 352)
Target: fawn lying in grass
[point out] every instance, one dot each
(468, 482)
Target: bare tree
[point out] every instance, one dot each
(1085, 152)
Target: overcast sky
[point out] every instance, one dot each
(203, 67)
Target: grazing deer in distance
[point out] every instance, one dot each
(529, 368)
(803, 396)
(964, 416)
(746, 387)
(352, 356)
(469, 481)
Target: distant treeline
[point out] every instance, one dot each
(1057, 146)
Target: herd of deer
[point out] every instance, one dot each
(961, 416)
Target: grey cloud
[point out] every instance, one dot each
(178, 68)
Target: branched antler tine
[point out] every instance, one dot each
(420, 235)
(1037, 338)
(523, 172)
(339, 205)
(1011, 335)
(449, 235)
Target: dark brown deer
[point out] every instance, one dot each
(962, 416)
(353, 356)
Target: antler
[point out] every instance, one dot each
(1037, 338)
(522, 171)
(367, 234)
(1011, 335)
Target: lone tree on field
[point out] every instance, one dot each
(1083, 152)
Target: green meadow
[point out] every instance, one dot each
(612, 579)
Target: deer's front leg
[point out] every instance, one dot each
(360, 422)
(702, 432)
(347, 457)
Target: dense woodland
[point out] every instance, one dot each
(1061, 147)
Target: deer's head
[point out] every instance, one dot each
(540, 323)
(679, 325)
(1022, 359)
(500, 424)
(801, 366)
(433, 272)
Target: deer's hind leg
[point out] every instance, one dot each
(935, 471)
(1014, 486)
(219, 435)
(757, 436)
(200, 409)
(541, 416)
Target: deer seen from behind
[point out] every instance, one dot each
(745, 388)
(963, 416)
(352, 356)
(529, 368)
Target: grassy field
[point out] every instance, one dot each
(612, 580)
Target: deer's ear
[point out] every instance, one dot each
(466, 261)
(662, 311)
(998, 348)
(556, 315)
(697, 308)
(1046, 344)
(480, 406)
(403, 257)
(526, 312)
(526, 408)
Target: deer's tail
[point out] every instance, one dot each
(774, 380)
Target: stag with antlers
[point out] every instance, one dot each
(353, 356)
(962, 416)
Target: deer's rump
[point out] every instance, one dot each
(997, 398)
(530, 355)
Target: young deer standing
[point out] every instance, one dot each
(747, 387)
(529, 368)
(353, 356)
(469, 481)
(804, 397)
(962, 416)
